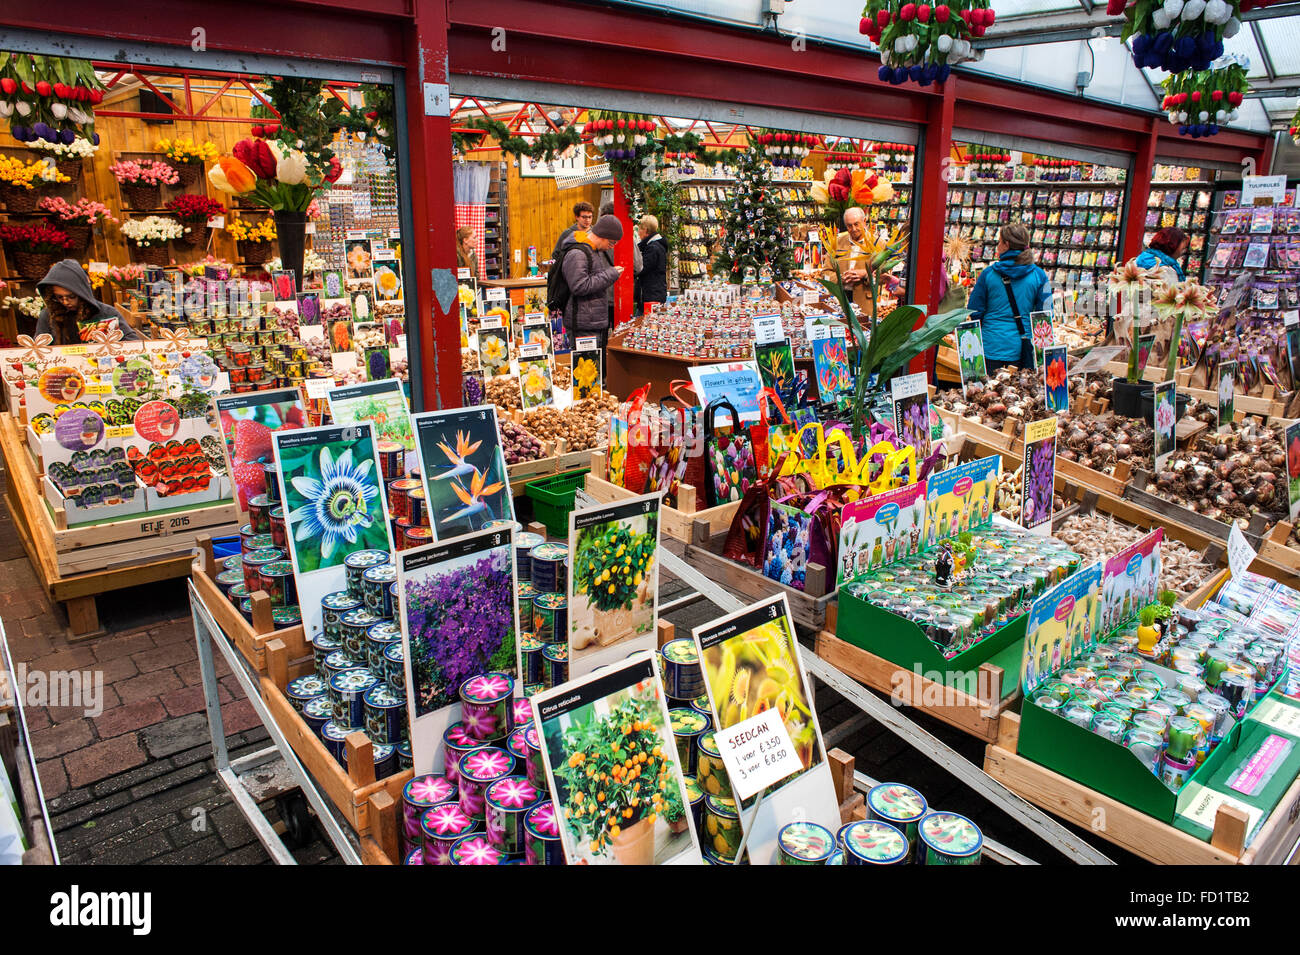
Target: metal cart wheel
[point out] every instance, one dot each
(299, 823)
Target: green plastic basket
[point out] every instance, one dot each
(553, 498)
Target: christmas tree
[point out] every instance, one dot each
(756, 235)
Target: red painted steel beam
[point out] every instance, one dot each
(368, 31)
(1139, 187)
(931, 216)
(433, 212)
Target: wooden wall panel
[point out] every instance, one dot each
(538, 213)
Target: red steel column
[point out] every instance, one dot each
(623, 257)
(432, 208)
(1139, 188)
(932, 179)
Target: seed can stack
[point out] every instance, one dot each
(545, 642)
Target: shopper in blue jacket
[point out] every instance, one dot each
(1164, 250)
(1005, 337)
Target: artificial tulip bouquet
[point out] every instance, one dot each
(273, 174)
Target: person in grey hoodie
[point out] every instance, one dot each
(70, 301)
(589, 276)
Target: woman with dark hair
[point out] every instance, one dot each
(1165, 250)
(70, 303)
(1006, 293)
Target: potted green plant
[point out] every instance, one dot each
(1131, 283)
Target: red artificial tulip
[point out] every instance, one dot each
(908, 13)
(43, 88)
(9, 86)
(882, 18)
(622, 124)
(1196, 96)
(1235, 98)
(977, 29)
(942, 13)
(1216, 95)
(989, 16)
(923, 13)
(865, 26)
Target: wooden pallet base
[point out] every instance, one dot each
(1132, 829)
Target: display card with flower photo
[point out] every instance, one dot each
(463, 469)
(536, 388)
(459, 614)
(587, 381)
(330, 490)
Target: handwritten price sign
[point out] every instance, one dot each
(758, 753)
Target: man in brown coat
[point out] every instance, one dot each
(852, 257)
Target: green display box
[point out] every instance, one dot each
(902, 642)
(1110, 768)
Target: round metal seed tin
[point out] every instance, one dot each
(476, 850)
(687, 726)
(333, 606)
(347, 691)
(487, 706)
(804, 843)
(683, 676)
(395, 666)
(376, 584)
(254, 561)
(318, 711)
(378, 639)
(508, 801)
(525, 541)
(899, 805)
(872, 842)
(710, 773)
(259, 513)
(277, 579)
(479, 768)
(555, 664)
(385, 714)
(298, 691)
(542, 844)
(440, 827)
(455, 744)
(321, 648)
(335, 739)
(530, 654)
(548, 572)
(535, 768)
(950, 839)
(355, 625)
(419, 795)
(551, 618)
(398, 504)
(357, 563)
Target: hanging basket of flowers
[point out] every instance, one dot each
(1197, 103)
(784, 148)
(187, 158)
(922, 42)
(194, 212)
(621, 135)
(34, 248)
(894, 157)
(1177, 35)
(21, 182)
(987, 164)
(49, 98)
(141, 181)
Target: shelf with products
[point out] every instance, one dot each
(1253, 255)
(1182, 204)
(1074, 225)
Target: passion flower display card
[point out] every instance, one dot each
(613, 582)
(333, 506)
(765, 729)
(459, 614)
(614, 771)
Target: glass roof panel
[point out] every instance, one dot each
(1282, 38)
(1244, 44)
(1017, 8)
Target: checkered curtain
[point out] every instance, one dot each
(470, 181)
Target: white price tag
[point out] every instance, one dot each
(811, 298)
(758, 753)
(532, 351)
(839, 331)
(401, 344)
(1240, 553)
(217, 222)
(310, 228)
(586, 343)
(1291, 318)
(816, 331)
(98, 268)
(462, 275)
(490, 321)
(496, 294)
(767, 328)
(353, 234)
(319, 388)
(533, 319)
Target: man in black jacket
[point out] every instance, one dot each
(652, 283)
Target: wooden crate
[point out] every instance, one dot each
(250, 638)
(1267, 405)
(677, 522)
(369, 806)
(976, 715)
(558, 459)
(76, 564)
(1133, 830)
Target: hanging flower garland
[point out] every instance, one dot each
(838, 158)
(544, 147)
(1054, 170)
(49, 98)
(894, 157)
(1177, 35)
(1295, 128)
(784, 148)
(621, 135)
(1197, 103)
(920, 42)
(987, 163)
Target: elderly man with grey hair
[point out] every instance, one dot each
(852, 256)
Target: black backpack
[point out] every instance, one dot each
(558, 292)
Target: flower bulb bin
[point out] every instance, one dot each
(1148, 402)
(635, 845)
(1126, 397)
(141, 197)
(291, 230)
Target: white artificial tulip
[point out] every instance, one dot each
(1232, 117)
(1216, 11)
(1173, 116)
(1231, 27)
(59, 110)
(1182, 116)
(900, 45)
(1173, 8)
(77, 115)
(944, 43)
(1220, 115)
(6, 108)
(24, 109)
(1160, 20)
(1205, 115)
(1192, 10)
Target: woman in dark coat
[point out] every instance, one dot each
(652, 283)
(70, 302)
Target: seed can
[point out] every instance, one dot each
(395, 667)
(254, 561)
(551, 618)
(899, 805)
(405, 756)
(683, 676)
(440, 827)
(418, 504)
(517, 746)
(872, 842)
(695, 799)
(526, 593)
(804, 843)
(535, 768)
(476, 850)
(277, 579)
(950, 839)
(722, 833)
(525, 541)
(414, 857)
(710, 772)
(398, 505)
(333, 606)
(228, 578)
(456, 743)
(418, 795)
(318, 711)
(304, 688)
(555, 664)
(542, 844)
(392, 459)
(548, 572)
(335, 739)
(385, 714)
(418, 536)
(375, 589)
(357, 563)
(321, 648)
(508, 801)
(336, 663)
(347, 691)
(378, 639)
(523, 713)
(479, 768)
(487, 706)
(687, 726)
(355, 625)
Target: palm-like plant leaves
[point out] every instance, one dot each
(935, 329)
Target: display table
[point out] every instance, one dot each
(627, 369)
(75, 564)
